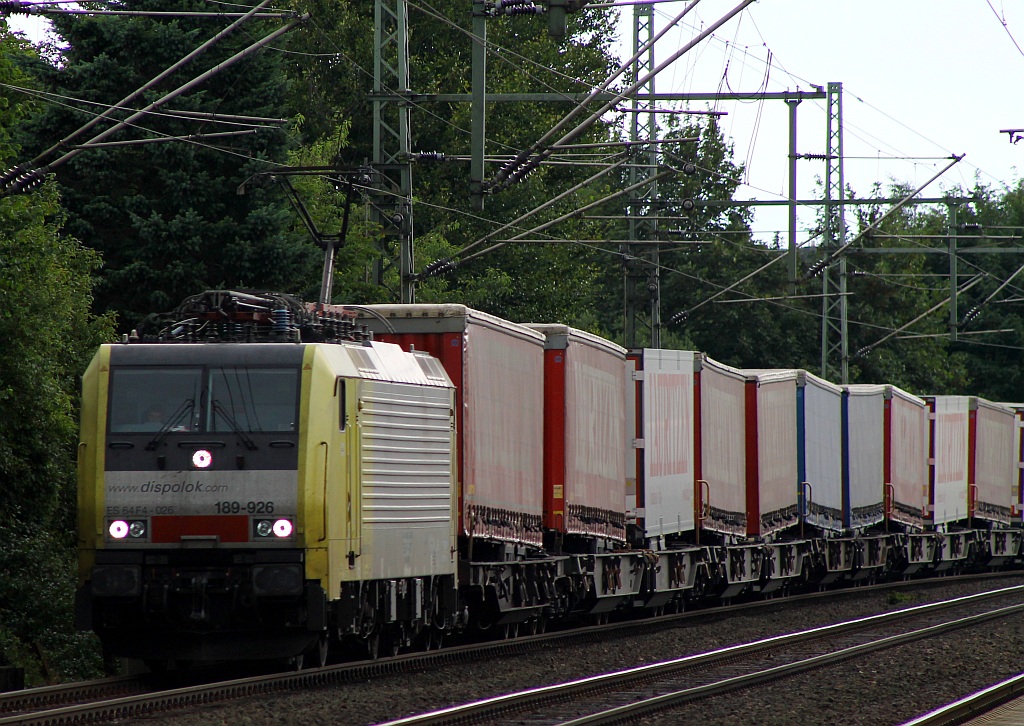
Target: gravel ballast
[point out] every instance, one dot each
(889, 688)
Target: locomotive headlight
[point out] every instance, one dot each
(202, 459)
(137, 529)
(118, 529)
(264, 527)
(283, 528)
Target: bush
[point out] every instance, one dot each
(37, 586)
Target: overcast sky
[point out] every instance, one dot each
(922, 79)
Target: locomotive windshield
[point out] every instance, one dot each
(252, 399)
(214, 399)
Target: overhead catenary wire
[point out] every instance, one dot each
(523, 164)
(163, 75)
(24, 177)
(574, 213)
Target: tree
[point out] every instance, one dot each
(49, 333)
(517, 280)
(168, 217)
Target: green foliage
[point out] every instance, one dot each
(168, 217)
(900, 598)
(37, 586)
(520, 281)
(49, 333)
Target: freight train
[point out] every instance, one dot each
(263, 478)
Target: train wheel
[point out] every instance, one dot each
(157, 665)
(316, 656)
(373, 645)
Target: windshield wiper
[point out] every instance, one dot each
(218, 409)
(182, 412)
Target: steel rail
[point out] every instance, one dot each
(487, 709)
(37, 705)
(628, 713)
(976, 704)
(34, 698)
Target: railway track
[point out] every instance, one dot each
(139, 696)
(628, 695)
(1000, 703)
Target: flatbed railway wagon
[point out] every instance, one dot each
(498, 370)
(864, 467)
(994, 470)
(944, 507)
(585, 452)
(661, 472)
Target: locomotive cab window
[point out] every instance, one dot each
(151, 399)
(252, 399)
(216, 399)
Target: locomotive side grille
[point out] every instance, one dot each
(406, 434)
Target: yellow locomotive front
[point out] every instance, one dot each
(191, 531)
(229, 490)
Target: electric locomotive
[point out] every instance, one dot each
(259, 477)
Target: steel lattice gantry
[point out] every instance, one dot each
(835, 354)
(642, 271)
(392, 202)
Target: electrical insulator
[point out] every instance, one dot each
(817, 267)
(516, 7)
(689, 205)
(689, 168)
(439, 267)
(527, 10)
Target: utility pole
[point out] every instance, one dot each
(793, 156)
(834, 341)
(478, 136)
(641, 268)
(392, 204)
(951, 225)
